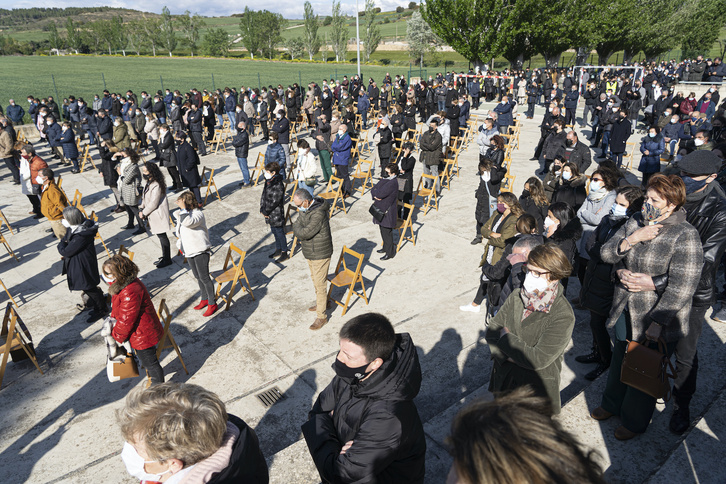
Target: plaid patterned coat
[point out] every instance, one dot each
(676, 252)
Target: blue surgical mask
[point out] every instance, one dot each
(652, 135)
(618, 210)
(302, 209)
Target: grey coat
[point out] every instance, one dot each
(131, 185)
(590, 214)
(675, 252)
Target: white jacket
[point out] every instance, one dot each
(191, 229)
(306, 166)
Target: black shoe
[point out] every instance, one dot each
(477, 240)
(381, 251)
(128, 227)
(38, 216)
(49, 230)
(74, 171)
(275, 254)
(599, 370)
(386, 257)
(141, 230)
(283, 257)
(593, 357)
(163, 263)
(680, 420)
(158, 261)
(16, 182)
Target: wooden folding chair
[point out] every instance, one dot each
(234, 272)
(345, 277)
(508, 183)
(125, 252)
(208, 178)
(404, 225)
(12, 339)
(59, 184)
(631, 155)
(334, 194)
(2, 216)
(291, 210)
(77, 197)
(4, 241)
(93, 217)
(218, 141)
(8, 293)
(258, 170)
(432, 199)
(364, 175)
(165, 317)
(86, 156)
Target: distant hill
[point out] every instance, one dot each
(19, 19)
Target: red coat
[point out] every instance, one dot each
(136, 320)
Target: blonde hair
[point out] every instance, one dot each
(552, 259)
(512, 202)
(174, 421)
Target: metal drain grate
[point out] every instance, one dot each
(270, 397)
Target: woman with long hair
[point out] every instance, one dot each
(130, 187)
(534, 201)
(155, 208)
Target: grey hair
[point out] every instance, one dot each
(528, 242)
(303, 196)
(29, 149)
(73, 215)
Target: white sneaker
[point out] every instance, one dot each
(470, 308)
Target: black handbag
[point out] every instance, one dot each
(377, 213)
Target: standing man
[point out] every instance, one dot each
(431, 153)
(571, 99)
(15, 113)
(195, 129)
(364, 427)
(282, 128)
(241, 143)
(341, 157)
(312, 229)
(52, 202)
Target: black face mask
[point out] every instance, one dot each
(525, 193)
(344, 371)
(569, 142)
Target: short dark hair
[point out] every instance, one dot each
(48, 173)
(563, 212)
(373, 332)
(273, 167)
(303, 144)
(393, 168)
(634, 196)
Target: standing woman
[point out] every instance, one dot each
(385, 144)
(407, 164)
(570, 188)
(529, 334)
(108, 171)
(151, 129)
(155, 209)
(656, 242)
(564, 229)
(490, 178)
(130, 178)
(534, 201)
(651, 146)
(80, 265)
(68, 141)
(272, 204)
(306, 167)
(619, 136)
(385, 194)
(188, 160)
(30, 166)
(136, 319)
(167, 154)
(193, 235)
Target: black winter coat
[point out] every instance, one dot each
(80, 264)
(385, 143)
(194, 120)
(566, 238)
(406, 166)
(485, 190)
(387, 191)
(620, 134)
(539, 213)
(108, 167)
(571, 192)
(497, 157)
(247, 463)
(167, 150)
(105, 127)
(241, 143)
(272, 201)
(554, 144)
(597, 289)
(452, 114)
(187, 161)
(379, 416)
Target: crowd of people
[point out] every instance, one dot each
(646, 254)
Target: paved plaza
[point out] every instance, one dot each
(60, 426)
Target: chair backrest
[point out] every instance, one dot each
(125, 252)
(358, 261)
(359, 171)
(77, 197)
(334, 179)
(427, 176)
(207, 174)
(230, 258)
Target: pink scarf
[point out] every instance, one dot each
(538, 301)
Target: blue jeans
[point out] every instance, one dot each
(162, 120)
(220, 120)
(280, 240)
(442, 105)
(244, 169)
(364, 119)
(231, 116)
(672, 146)
(301, 184)
(605, 142)
(618, 159)
(91, 137)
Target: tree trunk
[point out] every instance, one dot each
(124, 51)
(552, 59)
(582, 54)
(602, 57)
(516, 64)
(628, 56)
(169, 53)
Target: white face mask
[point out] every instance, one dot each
(698, 142)
(107, 279)
(566, 175)
(618, 210)
(486, 176)
(533, 284)
(341, 132)
(135, 464)
(65, 223)
(39, 180)
(268, 176)
(595, 186)
(548, 222)
(269, 142)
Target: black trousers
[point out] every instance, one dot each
(175, 178)
(341, 171)
(198, 139)
(165, 246)
(601, 337)
(96, 299)
(133, 213)
(387, 236)
(155, 145)
(150, 362)
(265, 130)
(384, 164)
(481, 293)
(10, 163)
(687, 358)
(35, 202)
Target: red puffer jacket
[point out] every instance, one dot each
(136, 320)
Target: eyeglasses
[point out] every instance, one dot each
(528, 270)
(597, 179)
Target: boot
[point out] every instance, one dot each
(593, 357)
(681, 419)
(211, 309)
(202, 304)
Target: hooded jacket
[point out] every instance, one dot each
(378, 414)
(80, 263)
(312, 229)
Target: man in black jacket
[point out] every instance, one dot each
(241, 143)
(364, 426)
(195, 129)
(576, 152)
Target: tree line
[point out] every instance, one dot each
(482, 30)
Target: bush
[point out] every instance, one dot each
(386, 20)
(412, 6)
(399, 9)
(327, 21)
(385, 62)
(377, 10)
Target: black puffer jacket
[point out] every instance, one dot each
(597, 289)
(379, 416)
(247, 463)
(80, 263)
(485, 190)
(566, 238)
(538, 212)
(273, 201)
(571, 191)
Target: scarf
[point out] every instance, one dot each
(538, 301)
(596, 195)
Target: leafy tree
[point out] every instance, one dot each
(151, 33)
(400, 9)
(270, 25)
(700, 23)
(118, 36)
(54, 38)
(412, 6)
(421, 39)
(611, 20)
(371, 32)
(74, 37)
(250, 28)
(216, 42)
(190, 26)
(339, 33)
(295, 47)
(327, 21)
(547, 27)
(311, 39)
(166, 27)
(135, 36)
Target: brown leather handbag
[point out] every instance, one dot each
(646, 369)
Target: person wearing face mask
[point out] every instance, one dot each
(490, 178)
(605, 123)
(596, 292)
(187, 162)
(571, 187)
(282, 128)
(341, 147)
(409, 118)
(385, 144)
(651, 146)
(622, 129)
(349, 431)
(7, 151)
(80, 265)
(564, 229)
(121, 134)
(31, 166)
(504, 111)
(385, 194)
(52, 202)
(181, 433)
(529, 334)
(312, 229)
(671, 135)
(430, 144)
(68, 142)
(657, 242)
(272, 205)
(553, 176)
(571, 99)
(554, 144)
(53, 132)
(155, 208)
(407, 163)
(551, 116)
(306, 167)
(688, 105)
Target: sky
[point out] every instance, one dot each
(292, 9)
